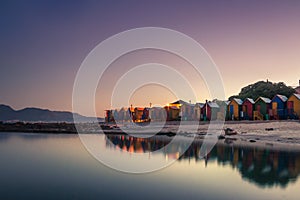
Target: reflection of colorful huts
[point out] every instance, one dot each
(279, 103)
(235, 107)
(293, 106)
(210, 110)
(197, 111)
(262, 106)
(247, 108)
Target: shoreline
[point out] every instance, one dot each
(265, 134)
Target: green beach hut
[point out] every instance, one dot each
(262, 106)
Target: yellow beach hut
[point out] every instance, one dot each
(235, 108)
(293, 106)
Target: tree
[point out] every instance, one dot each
(264, 89)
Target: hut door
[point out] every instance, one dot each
(290, 107)
(274, 108)
(231, 110)
(258, 108)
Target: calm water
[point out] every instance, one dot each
(48, 166)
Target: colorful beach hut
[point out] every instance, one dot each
(293, 106)
(279, 103)
(178, 110)
(235, 107)
(187, 111)
(210, 110)
(158, 114)
(223, 113)
(197, 111)
(262, 106)
(172, 112)
(247, 108)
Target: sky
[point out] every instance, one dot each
(43, 44)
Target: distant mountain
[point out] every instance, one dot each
(264, 89)
(37, 114)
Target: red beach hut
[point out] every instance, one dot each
(248, 107)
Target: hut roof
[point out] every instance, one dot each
(227, 102)
(282, 97)
(297, 95)
(238, 101)
(200, 105)
(180, 102)
(174, 107)
(264, 99)
(212, 104)
(250, 100)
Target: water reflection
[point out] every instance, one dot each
(265, 167)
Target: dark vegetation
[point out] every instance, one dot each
(264, 89)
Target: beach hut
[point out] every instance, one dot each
(235, 108)
(247, 108)
(279, 103)
(210, 110)
(293, 106)
(223, 113)
(157, 114)
(172, 112)
(262, 106)
(197, 111)
(138, 114)
(109, 117)
(187, 111)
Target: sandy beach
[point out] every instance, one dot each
(269, 134)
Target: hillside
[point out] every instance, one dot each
(37, 114)
(264, 89)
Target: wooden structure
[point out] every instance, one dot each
(109, 116)
(173, 112)
(197, 111)
(210, 110)
(223, 113)
(248, 108)
(157, 114)
(235, 108)
(293, 106)
(262, 106)
(278, 108)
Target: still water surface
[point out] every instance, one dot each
(51, 166)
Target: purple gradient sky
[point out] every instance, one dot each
(43, 43)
